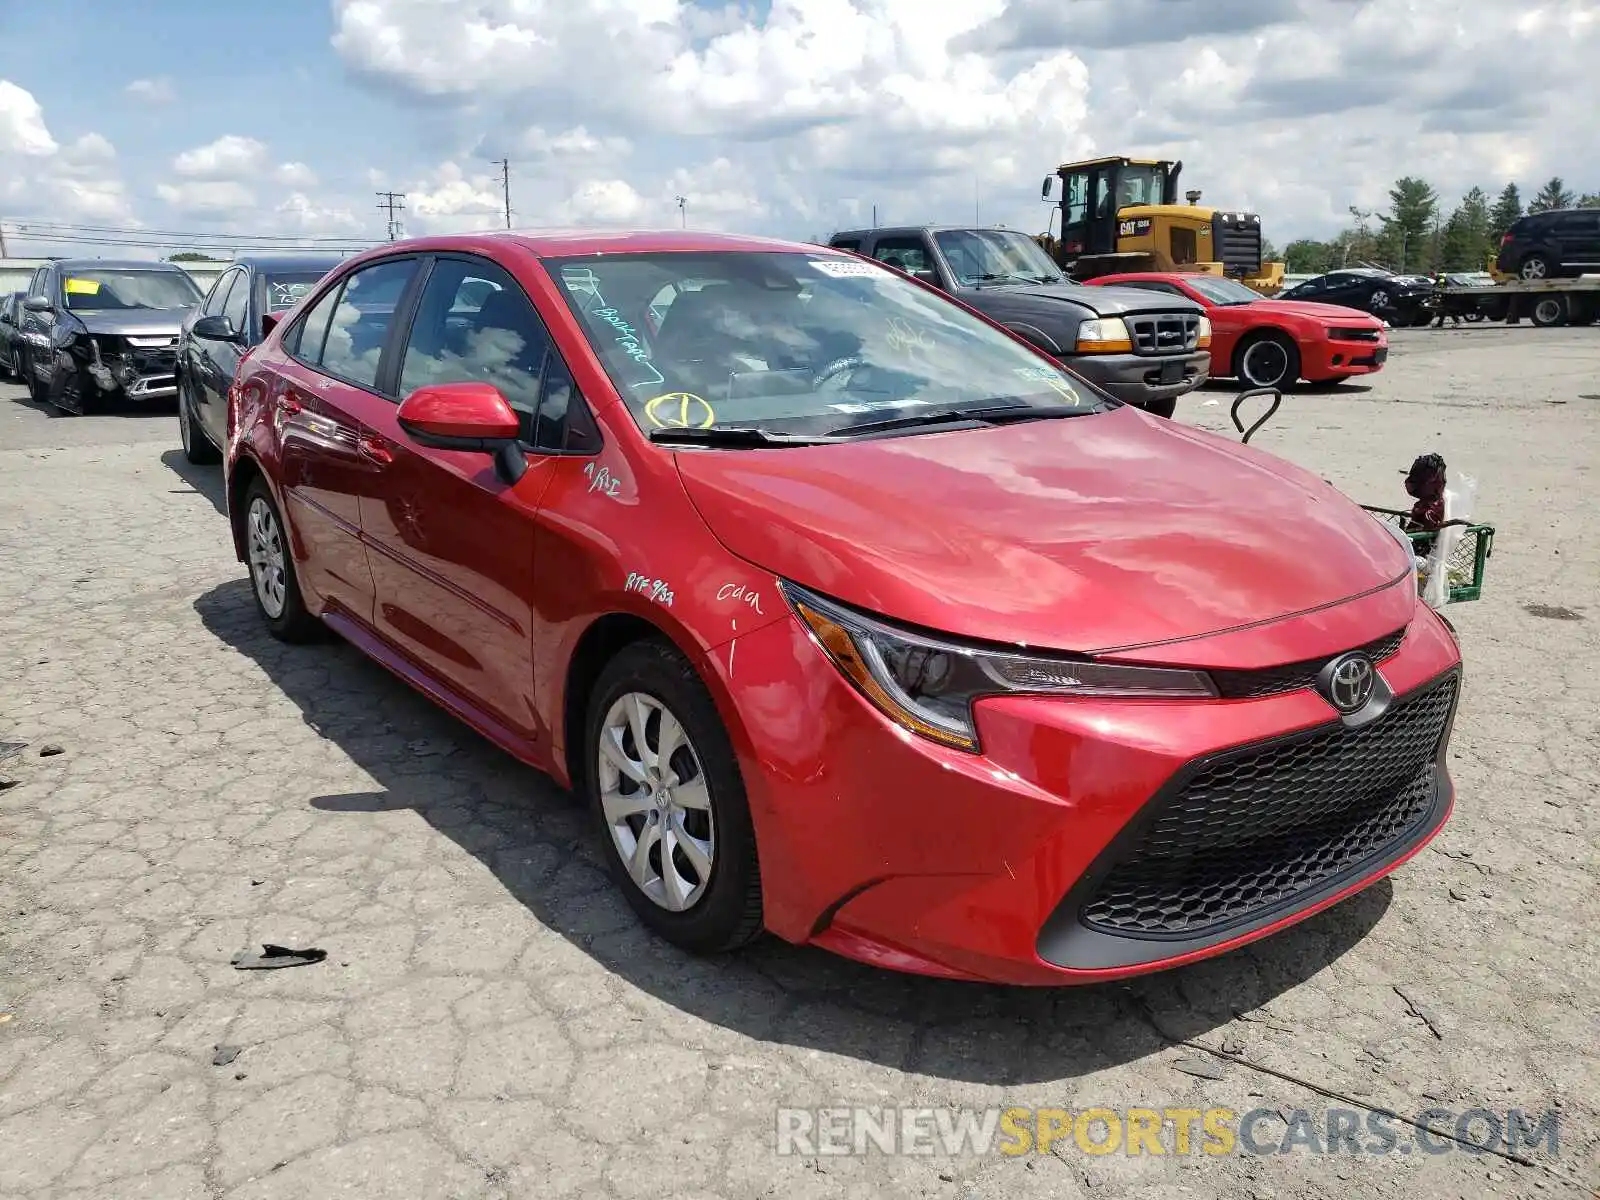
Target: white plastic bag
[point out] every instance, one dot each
(1434, 573)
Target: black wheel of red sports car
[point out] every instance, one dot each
(663, 782)
(1267, 359)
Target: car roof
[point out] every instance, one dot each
(575, 243)
(1557, 212)
(117, 264)
(288, 262)
(880, 230)
(1154, 276)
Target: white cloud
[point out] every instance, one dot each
(22, 127)
(230, 157)
(296, 174)
(152, 91)
(208, 197)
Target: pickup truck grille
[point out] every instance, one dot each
(1163, 333)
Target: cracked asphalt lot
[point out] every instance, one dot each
(490, 1022)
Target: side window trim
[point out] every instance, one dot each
(394, 363)
(403, 308)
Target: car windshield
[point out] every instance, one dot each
(102, 290)
(798, 343)
(284, 289)
(1222, 291)
(995, 255)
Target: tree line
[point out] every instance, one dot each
(1415, 236)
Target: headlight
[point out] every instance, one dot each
(928, 685)
(1204, 339)
(1106, 335)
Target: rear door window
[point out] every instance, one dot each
(361, 320)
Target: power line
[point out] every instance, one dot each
(73, 229)
(394, 202)
(505, 182)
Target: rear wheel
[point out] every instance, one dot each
(1549, 311)
(1537, 266)
(665, 789)
(197, 448)
(272, 575)
(1267, 360)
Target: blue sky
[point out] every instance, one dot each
(785, 116)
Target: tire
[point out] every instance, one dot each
(1538, 265)
(36, 391)
(71, 394)
(1161, 408)
(709, 913)
(1378, 302)
(1582, 310)
(274, 589)
(1549, 311)
(197, 447)
(1268, 359)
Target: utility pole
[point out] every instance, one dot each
(394, 202)
(874, 216)
(2, 239)
(505, 182)
(683, 212)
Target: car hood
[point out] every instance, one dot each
(1084, 534)
(135, 322)
(1317, 312)
(1102, 301)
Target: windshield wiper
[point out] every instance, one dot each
(1001, 415)
(735, 436)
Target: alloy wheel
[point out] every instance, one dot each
(1265, 363)
(265, 541)
(656, 801)
(1533, 268)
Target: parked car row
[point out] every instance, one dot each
(854, 614)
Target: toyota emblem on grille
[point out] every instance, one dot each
(1349, 681)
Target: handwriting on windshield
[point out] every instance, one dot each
(1054, 380)
(738, 592)
(582, 281)
(655, 589)
(602, 480)
(905, 339)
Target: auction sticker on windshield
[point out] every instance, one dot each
(83, 287)
(842, 268)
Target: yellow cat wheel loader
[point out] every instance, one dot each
(1122, 214)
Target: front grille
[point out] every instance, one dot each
(1294, 677)
(1355, 335)
(1163, 333)
(1254, 829)
(1236, 241)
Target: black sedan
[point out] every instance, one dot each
(10, 331)
(232, 319)
(1398, 299)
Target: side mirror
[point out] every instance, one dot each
(216, 328)
(1049, 186)
(467, 416)
(38, 304)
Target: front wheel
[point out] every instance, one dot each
(664, 786)
(1268, 360)
(272, 574)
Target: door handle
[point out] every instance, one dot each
(373, 448)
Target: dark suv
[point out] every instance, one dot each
(92, 329)
(1144, 348)
(1565, 241)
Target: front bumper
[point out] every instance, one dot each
(1337, 357)
(1022, 864)
(1139, 378)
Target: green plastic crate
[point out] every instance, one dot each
(1468, 560)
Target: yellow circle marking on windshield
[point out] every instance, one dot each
(680, 410)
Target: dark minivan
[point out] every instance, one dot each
(1548, 245)
(235, 315)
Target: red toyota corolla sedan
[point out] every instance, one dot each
(1272, 343)
(854, 618)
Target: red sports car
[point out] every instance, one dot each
(853, 617)
(1272, 343)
